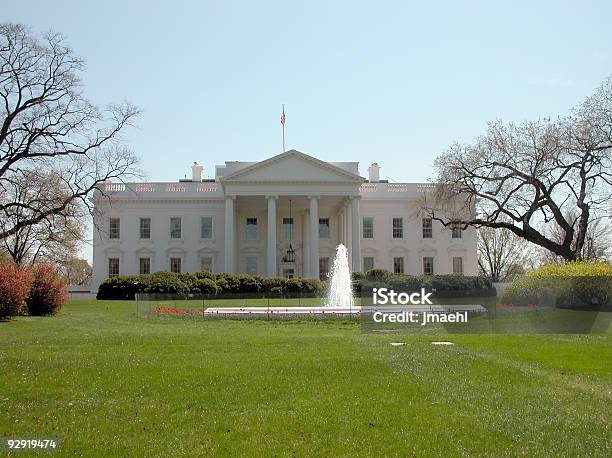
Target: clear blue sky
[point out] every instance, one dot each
(393, 82)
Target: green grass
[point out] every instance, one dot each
(108, 383)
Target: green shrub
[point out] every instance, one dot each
(377, 274)
(205, 286)
(574, 269)
(221, 281)
(205, 274)
(459, 285)
(303, 286)
(127, 286)
(167, 283)
(578, 285)
(122, 287)
(365, 287)
(445, 286)
(275, 285)
(312, 287)
(357, 286)
(293, 285)
(249, 283)
(231, 284)
(190, 280)
(405, 283)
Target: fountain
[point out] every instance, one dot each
(340, 287)
(339, 299)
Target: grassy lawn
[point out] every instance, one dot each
(109, 383)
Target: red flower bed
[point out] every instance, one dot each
(161, 310)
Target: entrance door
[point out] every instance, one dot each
(288, 273)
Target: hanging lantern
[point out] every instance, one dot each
(290, 256)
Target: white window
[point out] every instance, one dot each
(368, 263)
(323, 268)
(456, 231)
(288, 229)
(251, 228)
(175, 265)
(398, 228)
(323, 228)
(144, 266)
(206, 227)
(176, 230)
(428, 265)
(398, 265)
(206, 263)
(145, 228)
(113, 267)
(458, 265)
(114, 228)
(427, 228)
(368, 227)
(251, 265)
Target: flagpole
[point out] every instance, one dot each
(283, 128)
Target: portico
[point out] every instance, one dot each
(318, 191)
(263, 227)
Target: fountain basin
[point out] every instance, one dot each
(286, 311)
(336, 311)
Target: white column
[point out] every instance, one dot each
(271, 236)
(348, 231)
(339, 218)
(305, 243)
(356, 236)
(230, 238)
(314, 237)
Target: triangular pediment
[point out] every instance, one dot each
(293, 166)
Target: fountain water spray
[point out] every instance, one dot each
(340, 287)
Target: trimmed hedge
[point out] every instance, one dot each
(206, 286)
(127, 286)
(576, 285)
(444, 285)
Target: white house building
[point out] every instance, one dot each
(283, 216)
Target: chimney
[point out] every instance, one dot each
(374, 173)
(196, 172)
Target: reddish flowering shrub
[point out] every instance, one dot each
(14, 286)
(48, 292)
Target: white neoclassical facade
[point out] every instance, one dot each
(246, 219)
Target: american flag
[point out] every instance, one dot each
(282, 119)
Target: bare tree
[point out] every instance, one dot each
(501, 253)
(46, 124)
(597, 242)
(524, 178)
(53, 239)
(77, 271)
